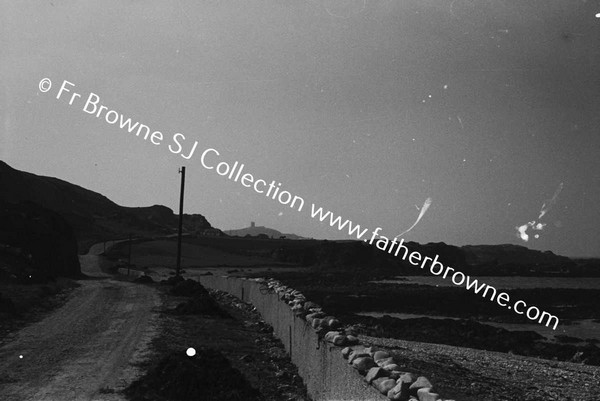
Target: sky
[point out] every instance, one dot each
(487, 109)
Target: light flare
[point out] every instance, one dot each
(424, 208)
(539, 226)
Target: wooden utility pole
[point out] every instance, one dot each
(129, 258)
(178, 271)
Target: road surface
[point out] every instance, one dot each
(84, 350)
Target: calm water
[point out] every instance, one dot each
(583, 329)
(506, 282)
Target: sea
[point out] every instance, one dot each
(506, 283)
(583, 329)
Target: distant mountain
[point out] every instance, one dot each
(255, 231)
(512, 259)
(476, 260)
(93, 217)
(503, 259)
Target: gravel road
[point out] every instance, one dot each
(84, 350)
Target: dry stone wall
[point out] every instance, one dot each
(330, 359)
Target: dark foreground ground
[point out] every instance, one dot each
(83, 346)
(237, 357)
(106, 337)
(22, 304)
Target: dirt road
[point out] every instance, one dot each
(84, 350)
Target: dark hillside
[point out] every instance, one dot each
(37, 239)
(93, 216)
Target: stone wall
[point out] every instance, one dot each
(331, 361)
(325, 372)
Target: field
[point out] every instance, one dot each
(207, 252)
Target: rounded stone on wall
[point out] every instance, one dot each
(380, 355)
(363, 364)
(384, 385)
(356, 354)
(385, 361)
(420, 383)
(352, 340)
(339, 340)
(424, 394)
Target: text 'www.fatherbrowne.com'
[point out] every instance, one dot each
(398, 248)
(211, 159)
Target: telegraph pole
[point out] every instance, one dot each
(178, 271)
(129, 258)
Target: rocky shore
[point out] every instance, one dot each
(407, 370)
(341, 295)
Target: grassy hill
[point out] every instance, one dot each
(93, 216)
